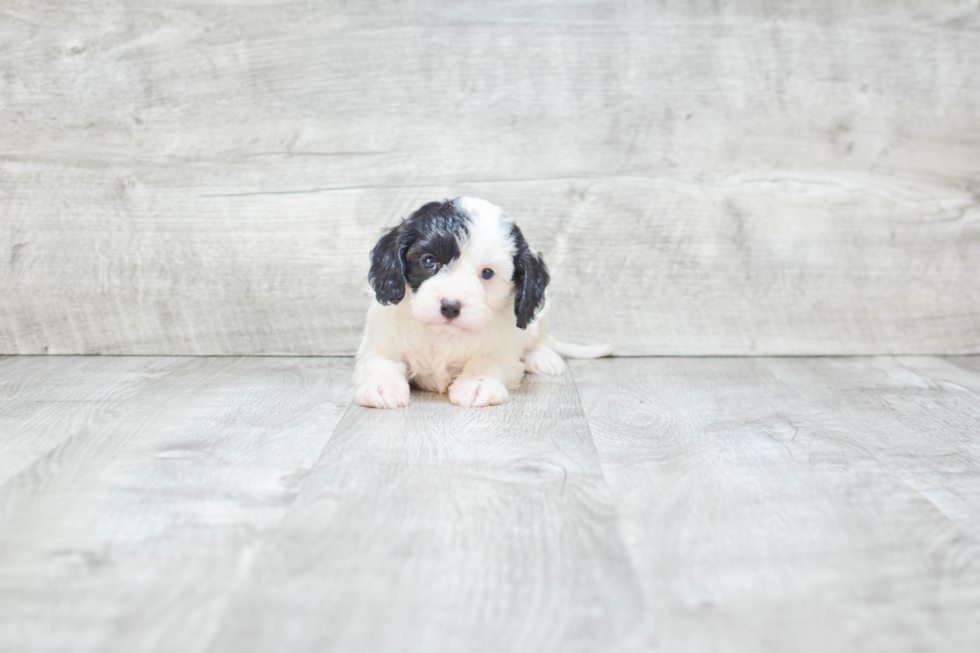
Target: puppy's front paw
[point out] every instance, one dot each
(467, 391)
(543, 360)
(382, 393)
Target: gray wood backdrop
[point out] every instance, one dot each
(755, 177)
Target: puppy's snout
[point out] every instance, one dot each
(450, 308)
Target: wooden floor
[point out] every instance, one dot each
(672, 504)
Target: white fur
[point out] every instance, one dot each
(476, 357)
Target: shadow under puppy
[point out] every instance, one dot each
(460, 308)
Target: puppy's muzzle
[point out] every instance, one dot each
(450, 308)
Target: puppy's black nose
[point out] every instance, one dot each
(450, 308)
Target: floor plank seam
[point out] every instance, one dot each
(620, 536)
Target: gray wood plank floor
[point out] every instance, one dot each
(672, 504)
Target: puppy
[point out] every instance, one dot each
(460, 301)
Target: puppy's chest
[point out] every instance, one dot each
(434, 370)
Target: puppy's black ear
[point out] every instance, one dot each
(530, 279)
(387, 275)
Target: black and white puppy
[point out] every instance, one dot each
(460, 302)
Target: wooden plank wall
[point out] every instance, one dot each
(704, 178)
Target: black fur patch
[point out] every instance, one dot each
(530, 279)
(433, 230)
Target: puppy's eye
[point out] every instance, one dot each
(487, 273)
(429, 262)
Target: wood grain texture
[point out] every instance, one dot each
(437, 528)
(132, 533)
(46, 401)
(699, 504)
(759, 178)
(796, 504)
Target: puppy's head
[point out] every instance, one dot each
(459, 261)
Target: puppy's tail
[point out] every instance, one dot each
(570, 350)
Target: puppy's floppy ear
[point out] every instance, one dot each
(530, 279)
(387, 275)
